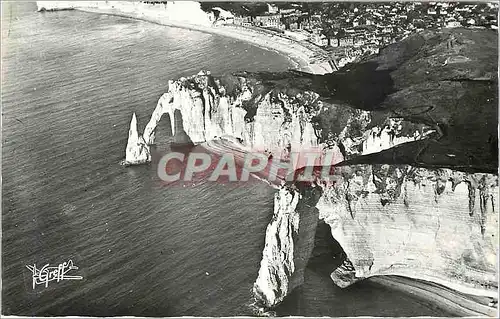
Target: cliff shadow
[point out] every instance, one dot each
(314, 247)
(325, 255)
(318, 296)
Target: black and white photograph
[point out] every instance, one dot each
(249, 159)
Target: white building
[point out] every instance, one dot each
(272, 9)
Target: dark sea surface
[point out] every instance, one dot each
(71, 81)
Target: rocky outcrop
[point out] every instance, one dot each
(289, 243)
(415, 196)
(137, 151)
(277, 265)
(361, 109)
(436, 225)
(411, 81)
(415, 193)
(414, 222)
(273, 120)
(208, 110)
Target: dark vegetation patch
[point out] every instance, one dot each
(410, 80)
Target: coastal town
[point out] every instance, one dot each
(350, 30)
(319, 37)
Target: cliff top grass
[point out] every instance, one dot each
(443, 79)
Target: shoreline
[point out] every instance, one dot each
(299, 55)
(454, 300)
(296, 55)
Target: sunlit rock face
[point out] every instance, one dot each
(277, 265)
(180, 11)
(263, 121)
(187, 11)
(391, 134)
(66, 5)
(288, 245)
(137, 151)
(437, 225)
(270, 119)
(54, 5)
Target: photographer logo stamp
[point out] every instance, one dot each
(46, 274)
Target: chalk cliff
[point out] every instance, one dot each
(209, 110)
(273, 120)
(425, 209)
(278, 264)
(67, 5)
(361, 109)
(437, 225)
(175, 11)
(137, 151)
(415, 191)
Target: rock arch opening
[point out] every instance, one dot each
(164, 131)
(327, 254)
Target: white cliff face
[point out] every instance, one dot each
(54, 5)
(150, 129)
(269, 122)
(137, 151)
(382, 138)
(65, 5)
(288, 245)
(360, 137)
(175, 11)
(439, 226)
(277, 265)
(207, 112)
(187, 11)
